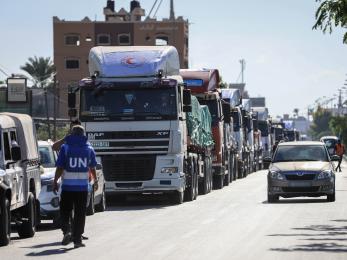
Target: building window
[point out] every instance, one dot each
(161, 41)
(104, 39)
(72, 64)
(124, 39)
(72, 40)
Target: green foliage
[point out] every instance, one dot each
(339, 127)
(320, 126)
(42, 132)
(331, 13)
(40, 69)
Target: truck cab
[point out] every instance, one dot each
(204, 84)
(19, 176)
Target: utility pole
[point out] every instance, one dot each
(243, 68)
(339, 107)
(55, 107)
(172, 10)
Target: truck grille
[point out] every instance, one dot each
(129, 168)
(305, 177)
(300, 189)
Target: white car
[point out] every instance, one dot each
(49, 201)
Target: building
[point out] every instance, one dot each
(74, 39)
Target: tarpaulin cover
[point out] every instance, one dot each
(199, 124)
(133, 61)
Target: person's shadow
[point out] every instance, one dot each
(57, 251)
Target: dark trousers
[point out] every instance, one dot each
(339, 164)
(73, 204)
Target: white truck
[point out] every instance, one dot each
(19, 176)
(134, 109)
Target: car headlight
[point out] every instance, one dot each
(325, 175)
(276, 175)
(169, 170)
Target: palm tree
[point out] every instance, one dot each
(41, 71)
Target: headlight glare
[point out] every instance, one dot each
(169, 170)
(325, 175)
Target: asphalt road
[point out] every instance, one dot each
(233, 223)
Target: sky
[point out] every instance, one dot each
(286, 61)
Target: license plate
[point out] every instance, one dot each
(300, 184)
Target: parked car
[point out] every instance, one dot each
(50, 201)
(301, 169)
(330, 143)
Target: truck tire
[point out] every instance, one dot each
(190, 190)
(101, 207)
(91, 207)
(28, 227)
(218, 181)
(236, 167)
(176, 197)
(5, 222)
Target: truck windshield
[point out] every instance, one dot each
(264, 128)
(213, 107)
(129, 104)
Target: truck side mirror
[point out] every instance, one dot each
(187, 97)
(187, 109)
(16, 153)
(72, 100)
(226, 113)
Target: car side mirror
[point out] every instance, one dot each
(267, 160)
(98, 166)
(335, 158)
(16, 153)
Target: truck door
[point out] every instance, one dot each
(10, 171)
(18, 170)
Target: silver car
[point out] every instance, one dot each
(301, 169)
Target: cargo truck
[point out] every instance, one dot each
(249, 135)
(204, 84)
(136, 114)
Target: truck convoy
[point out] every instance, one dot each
(20, 183)
(204, 84)
(151, 134)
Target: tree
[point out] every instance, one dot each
(331, 13)
(320, 126)
(41, 71)
(339, 127)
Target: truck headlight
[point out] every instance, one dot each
(325, 175)
(276, 175)
(169, 170)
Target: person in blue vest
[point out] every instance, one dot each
(76, 159)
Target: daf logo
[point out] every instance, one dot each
(300, 174)
(162, 133)
(94, 136)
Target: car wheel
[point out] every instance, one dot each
(331, 197)
(5, 222)
(272, 198)
(101, 207)
(28, 227)
(90, 208)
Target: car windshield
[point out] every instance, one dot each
(129, 104)
(290, 153)
(47, 157)
(330, 143)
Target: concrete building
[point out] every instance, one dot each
(74, 39)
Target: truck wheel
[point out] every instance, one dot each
(176, 197)
(101, 207)
(28, 227)
(5, 222)
(236, 167)
(218, 182)
(91, 207)
(190, 190)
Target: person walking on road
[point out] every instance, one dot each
(76, 158)
(340, 151)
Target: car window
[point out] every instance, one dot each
(47, 157)
(288, 153)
